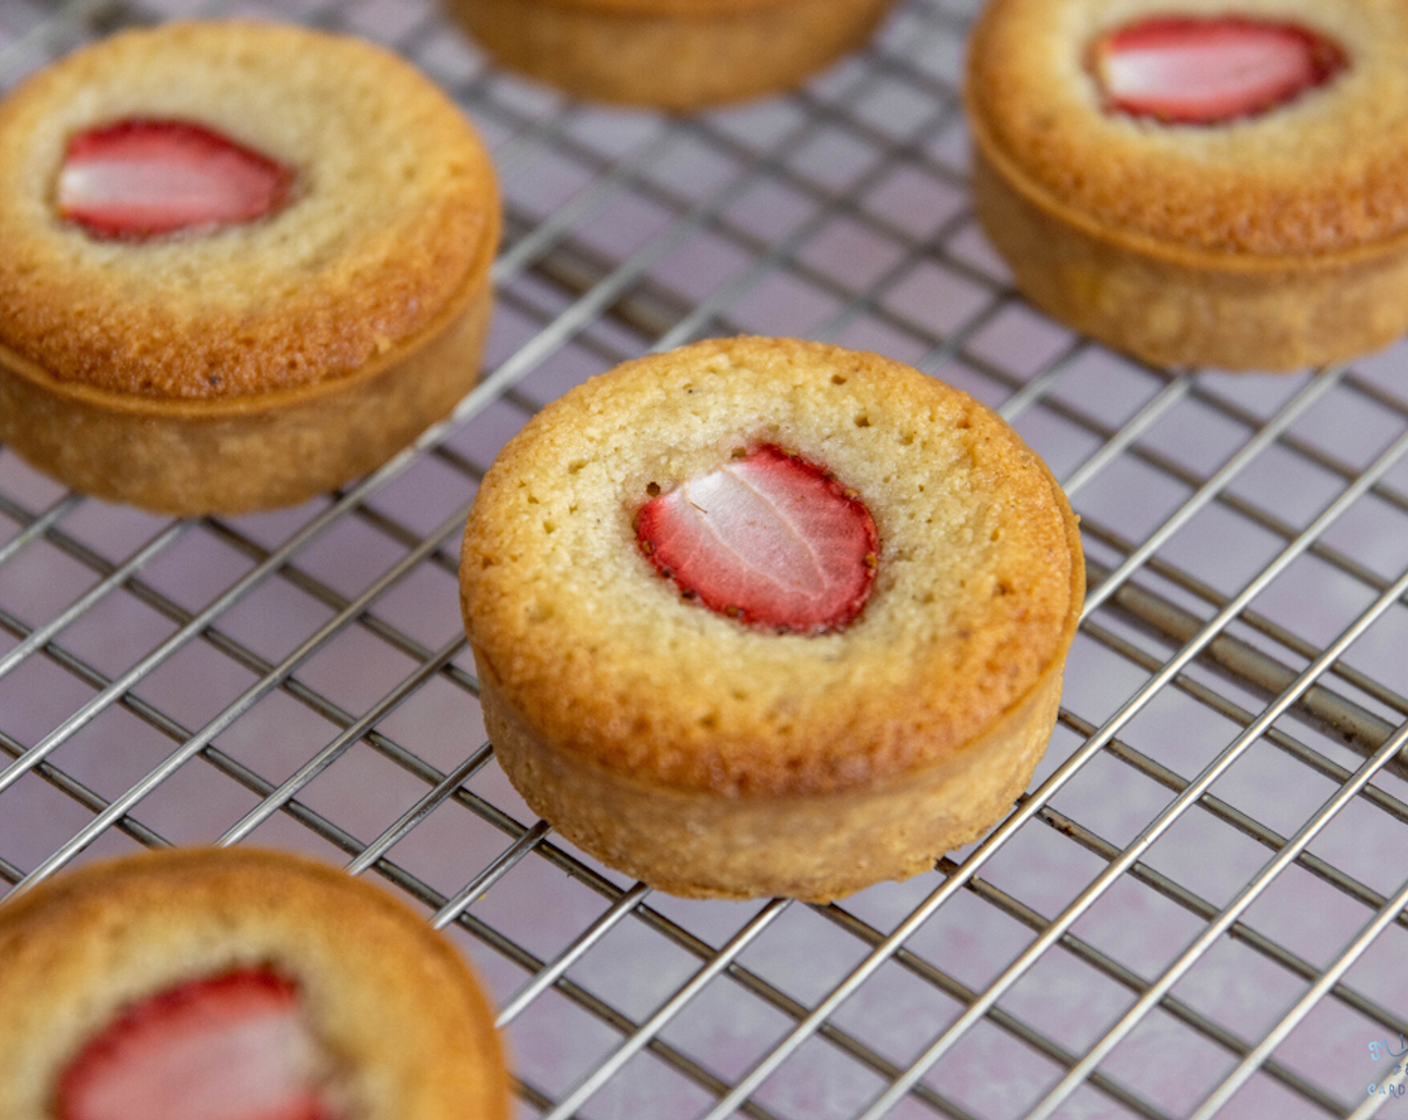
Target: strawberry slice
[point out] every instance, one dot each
(135, 179)
(769, 538)
(1195, 70)
(230, 1047)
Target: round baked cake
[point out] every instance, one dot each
(675, 54)
(766, 617)
(1197, 182)
(243, 263)
(236, 984)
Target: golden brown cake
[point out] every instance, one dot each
(203, 984)
(675, 54)
(1198, 182)
(243, 263)
(767, 617)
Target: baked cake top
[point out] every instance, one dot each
(1323, 172)
(389, 222)
(976, 590)
(390, 1002)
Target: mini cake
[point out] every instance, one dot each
(766, 617)
(234, 984)
(243, 263)
(1198, 182)
(675, 54)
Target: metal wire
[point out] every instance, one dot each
(837, 212)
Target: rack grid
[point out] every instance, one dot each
(1197, 909)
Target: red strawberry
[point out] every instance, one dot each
(231, 1047)
(1193, 70)
(139, 178)
(769, 538)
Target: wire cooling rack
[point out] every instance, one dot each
(1197, 910)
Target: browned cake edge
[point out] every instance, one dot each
(677, 56)
(243, 453)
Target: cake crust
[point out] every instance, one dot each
(243, 453)
(391, 1002)
(675, 54)
(699, 844)
(669, 7)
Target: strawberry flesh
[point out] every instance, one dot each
(769, 539)
(1197, 70)
(140, 178)
(229, 1047)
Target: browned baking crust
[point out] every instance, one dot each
(1177, 307)
(391, 1002)
(813, 847)
(594, 670)
(1267, 243)
(248, 452)
(675, 54)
